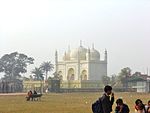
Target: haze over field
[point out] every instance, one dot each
(38, 27)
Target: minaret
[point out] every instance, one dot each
(56, 61)
(93, 46)
(65, 56)
(88, 55)
(68, 53)
(80, 43)
(79, 78)
(88, 63)
(105, 55)
(68, 48)
(106, 61)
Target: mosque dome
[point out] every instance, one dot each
(81, 51)
(94, 54)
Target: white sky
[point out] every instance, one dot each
(38, 27)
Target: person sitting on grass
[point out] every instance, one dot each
(35, 92)
(139, 106)
(29, 95)
(148, 107)
(121, 107)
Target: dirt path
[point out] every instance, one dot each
(7, 94)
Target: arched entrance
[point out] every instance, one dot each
(71, 75)
(84, 75)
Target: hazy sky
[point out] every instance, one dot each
(39, 27)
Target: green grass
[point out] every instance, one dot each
(62, 102)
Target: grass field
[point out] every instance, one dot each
(62, 102)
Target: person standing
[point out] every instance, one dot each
(107, 99)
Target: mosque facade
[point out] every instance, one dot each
(81, 67)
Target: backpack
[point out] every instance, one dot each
(97, 106)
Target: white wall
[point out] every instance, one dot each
(97, 70)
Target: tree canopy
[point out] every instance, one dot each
(125, 73)
(46, 67)
(123, 76)
(37, 73)
(14, 64)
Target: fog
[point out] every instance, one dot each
(39, 27)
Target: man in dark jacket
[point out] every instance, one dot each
(121, 107)
(106, 100)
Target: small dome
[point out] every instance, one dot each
(81, 51)
(94, 54)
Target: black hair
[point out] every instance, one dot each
(107, 88)
(119, 101)
(138, 101)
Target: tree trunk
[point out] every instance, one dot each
(46, 75)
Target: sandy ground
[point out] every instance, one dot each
(5, 94)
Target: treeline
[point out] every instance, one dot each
(13, 65)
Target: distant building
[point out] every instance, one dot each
(33, 85)
(140, 82)
(81, 67)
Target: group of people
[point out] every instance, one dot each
(29, 95)
(142, 108)
(107, 101)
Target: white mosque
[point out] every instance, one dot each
(81, 67)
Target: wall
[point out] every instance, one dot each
(97, 70)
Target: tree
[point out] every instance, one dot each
(56, 76)
(37, 73)
(47, 67)
(137, 74)
(14, 64)
(113, 80)
(123, 76)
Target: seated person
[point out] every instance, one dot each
(29, 95)
(148, 107)
(35, 92)
(121, 107)
(139, 106)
